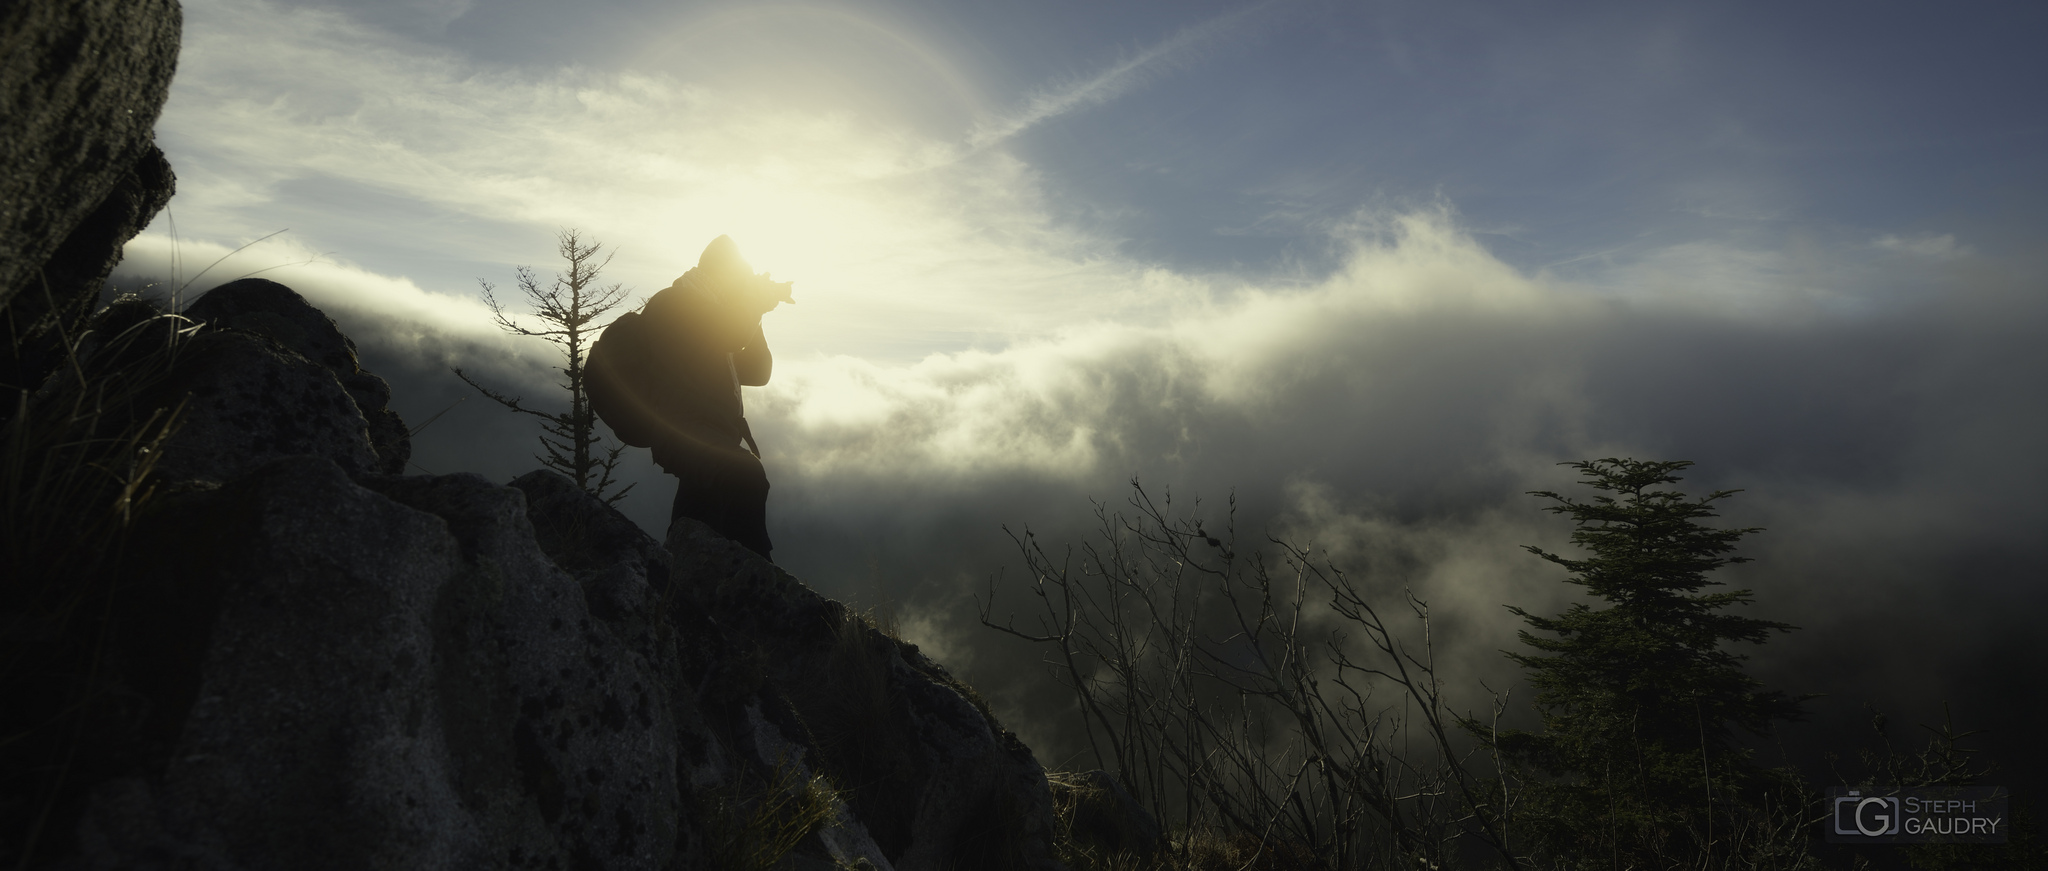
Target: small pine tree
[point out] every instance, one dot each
(1639, 698)
(569, 307)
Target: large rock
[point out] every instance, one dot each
(275, 311)
(315, 665)
(309, 735)
(81, 84)
(561, 733)
(933, 778)
(618, 565)
(392, 672)
(394, 676)
(256, 372)
(248, 400)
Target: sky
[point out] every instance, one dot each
(1374, 269)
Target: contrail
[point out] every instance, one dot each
(1109, 84)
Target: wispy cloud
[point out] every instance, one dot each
(1930, 246)
(406, 324)
(1183, 47)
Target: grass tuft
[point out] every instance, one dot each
(77, 458)
(752, 829)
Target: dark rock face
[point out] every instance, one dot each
(395, 676)
(934, 779)
(559, 732)
(618, 564)
(275, 311)
(266, 375)
(250, 401)
(310, 740)
(262, 374)
(81, 84)
(332, 667)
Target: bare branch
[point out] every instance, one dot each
(567, 306)
(511, 402)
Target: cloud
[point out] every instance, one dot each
(1930, 246)
(1092, 397)
(404, 323)
(401, 16)
(1396, 412)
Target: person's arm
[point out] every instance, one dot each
(752, 361)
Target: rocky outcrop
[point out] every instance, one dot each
(271, 310)
(933, 779)
(81, 83)
(309, 738)
(331, 666)
(395, 676)
(255, 373)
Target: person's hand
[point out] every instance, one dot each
(760, 295)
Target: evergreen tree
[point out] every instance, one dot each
(1639, 697)
(569, 308)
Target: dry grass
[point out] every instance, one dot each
(76, 464)
(753, 828)
(78, 454)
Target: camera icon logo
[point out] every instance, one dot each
(1872, 816)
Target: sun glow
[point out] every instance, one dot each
(834, 147)
(781, 50)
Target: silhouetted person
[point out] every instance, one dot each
(696, 343)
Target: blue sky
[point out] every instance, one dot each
(1375, 267)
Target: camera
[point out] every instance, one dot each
(759, 295)
(1873, 816)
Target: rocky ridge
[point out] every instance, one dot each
(344, 667)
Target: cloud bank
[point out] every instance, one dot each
(1396, 413)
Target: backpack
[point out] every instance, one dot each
(625, 346)
(631, 377)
